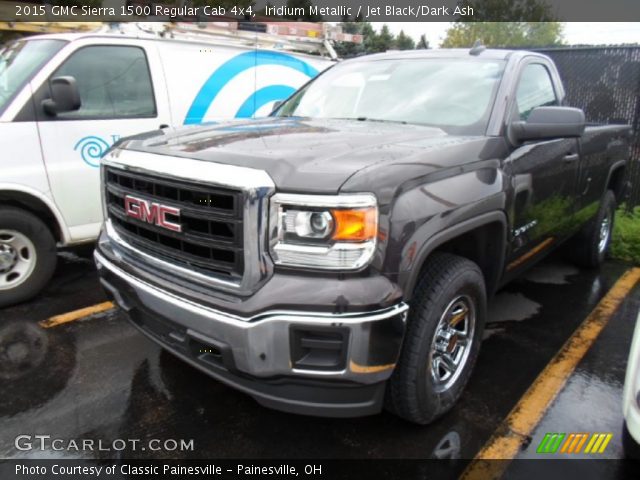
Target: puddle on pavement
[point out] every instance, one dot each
(507, 306)
(490, 331)
(551, 273)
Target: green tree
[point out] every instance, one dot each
(374, 43)
(494, 25)
(350, 49)
(367, 33)
(404, 42)
(504, 34)
(423, 43)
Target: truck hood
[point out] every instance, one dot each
(305, 155)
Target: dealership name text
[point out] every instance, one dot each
(126, 469)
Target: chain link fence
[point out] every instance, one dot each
(605, 83)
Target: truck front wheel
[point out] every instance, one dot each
(441, 344)
(27, 255)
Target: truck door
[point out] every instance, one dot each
(544, 175)
(118, 99)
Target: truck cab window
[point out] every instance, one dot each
(114, 82)
(535, 89)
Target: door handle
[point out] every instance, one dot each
(571, 157)
(163, 125)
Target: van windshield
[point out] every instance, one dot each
(19, 61)
(455, 95)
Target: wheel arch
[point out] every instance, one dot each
(42, 207)
(616, 179)
(489, 232)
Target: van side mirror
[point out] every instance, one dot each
(546, 123)
(65, 96)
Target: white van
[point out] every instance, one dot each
(66, 98)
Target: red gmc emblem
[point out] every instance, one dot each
(151, 212)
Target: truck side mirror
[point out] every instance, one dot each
(65, 96)
(545, 123)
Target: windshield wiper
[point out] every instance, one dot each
(367, 119)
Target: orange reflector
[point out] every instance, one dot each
(357, 225)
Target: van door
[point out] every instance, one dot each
(118, 99)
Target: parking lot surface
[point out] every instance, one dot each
(96, 377)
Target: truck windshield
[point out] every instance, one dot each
(19, 61)
(455, 95)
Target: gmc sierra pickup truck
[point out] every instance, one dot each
(337, 256)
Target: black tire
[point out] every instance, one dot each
(38, 233)
(585, 249)
(413, 392)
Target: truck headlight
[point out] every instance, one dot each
(322, 231)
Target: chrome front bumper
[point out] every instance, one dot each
(261, 346)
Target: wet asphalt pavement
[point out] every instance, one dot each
(99, 378)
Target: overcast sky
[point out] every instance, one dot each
(587, 33)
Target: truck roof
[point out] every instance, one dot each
(493, 54)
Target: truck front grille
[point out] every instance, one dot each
(210, 239)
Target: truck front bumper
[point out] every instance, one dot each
(325, 364)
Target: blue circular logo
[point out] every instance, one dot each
(92, 148)
(238, 64)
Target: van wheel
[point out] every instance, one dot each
(590, 247)
(27, 255)
(441, 345)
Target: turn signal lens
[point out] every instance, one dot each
(355, 225)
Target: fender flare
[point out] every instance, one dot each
(48, 202)
(614, 167)
(452, 232)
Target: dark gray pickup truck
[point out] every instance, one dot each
(337, 256)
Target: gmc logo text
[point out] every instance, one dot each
(151, 212)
